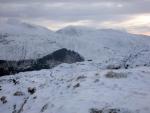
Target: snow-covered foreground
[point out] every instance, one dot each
(77, 88)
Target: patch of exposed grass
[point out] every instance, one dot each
(112, 74)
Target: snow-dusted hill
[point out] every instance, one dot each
(76, 88)
(25, 41)
(85, 87)
(106, 46)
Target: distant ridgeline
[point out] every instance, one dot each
(46, 62)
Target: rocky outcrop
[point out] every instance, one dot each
(46, 62)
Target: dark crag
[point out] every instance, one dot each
(46, 62)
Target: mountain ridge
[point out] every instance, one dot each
(105, 46)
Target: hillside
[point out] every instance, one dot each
(106, 46)
(76, 88)
(20, 41)
(113, 76)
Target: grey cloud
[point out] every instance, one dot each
(73, 10)
(73, 1)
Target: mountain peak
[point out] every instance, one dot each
(75, 30)
(18, 27)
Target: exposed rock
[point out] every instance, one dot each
(77, 85)
(0, 88)
(18, 93)
(109, 110)
(44, 107)
(96, 80)
(3, 99)
(117, 66)
(34, 97)
(81, 77)
(15, 81)
(31, 90)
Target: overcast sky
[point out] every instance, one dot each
(130, 15)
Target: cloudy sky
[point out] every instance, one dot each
(130, 15)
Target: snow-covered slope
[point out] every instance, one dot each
(106, 46)
(77, 88)
(24, 41)
(86, 87)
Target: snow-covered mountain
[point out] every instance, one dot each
(106, 46)
(25, 41)
(85, 87)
